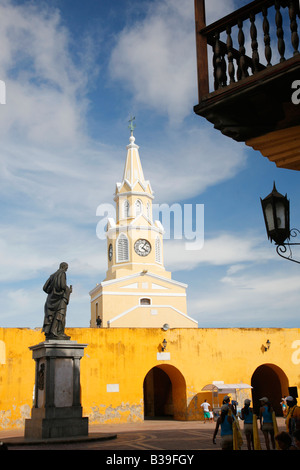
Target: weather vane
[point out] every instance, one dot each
(131, 125)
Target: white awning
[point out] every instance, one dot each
(224, 388)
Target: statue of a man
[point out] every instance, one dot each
(56, 304)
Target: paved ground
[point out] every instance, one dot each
(152, 436)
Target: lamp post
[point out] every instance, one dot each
(276, 210)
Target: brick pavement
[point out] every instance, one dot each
(151, 436)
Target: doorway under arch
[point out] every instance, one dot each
(164, 390)
(269, 380)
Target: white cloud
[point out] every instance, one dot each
(71, 183)
(67, 183)
(146, 59)
(223, 250)
(30, 251)
(236, 280)
(189, 162)
(19, 306)
(249, 300)
(24, 307)
(44, 87)
(47, 160)
(155, 58)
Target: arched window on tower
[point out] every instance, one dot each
(158, 250)
(126, 209)
(138, 207)
(122, 248)
(148, 210)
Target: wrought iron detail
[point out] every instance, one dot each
(285, 251)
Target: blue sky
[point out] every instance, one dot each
(74, 73)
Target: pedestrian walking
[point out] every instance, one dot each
(232, 405)
(205, 406)
(266, 422)
(283, 406)
(293, 415)
(226, 422)
(247, 417)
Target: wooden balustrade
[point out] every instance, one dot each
(230, 64)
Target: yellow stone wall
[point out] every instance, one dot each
(117, 360)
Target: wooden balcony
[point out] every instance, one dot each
(250, 92)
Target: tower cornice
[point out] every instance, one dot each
(133, 193)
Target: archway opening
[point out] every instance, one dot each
(269, 380)
(164, 393)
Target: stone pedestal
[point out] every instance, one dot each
(57, 410)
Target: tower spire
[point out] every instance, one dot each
(133, 175)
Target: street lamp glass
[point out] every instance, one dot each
(276, 210)
(269, 217)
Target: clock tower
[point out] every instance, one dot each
(137, 290)
(134, 240)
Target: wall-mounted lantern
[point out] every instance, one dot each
(266, 347)
(276, 210)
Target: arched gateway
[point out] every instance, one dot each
(164, 393)
(269, 380)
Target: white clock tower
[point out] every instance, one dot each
(137, 290)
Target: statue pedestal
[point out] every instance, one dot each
(57, 410)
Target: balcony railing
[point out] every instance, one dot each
(261, 27)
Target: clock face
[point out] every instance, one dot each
(142, 247)
(110, 252)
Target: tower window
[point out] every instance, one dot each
(145, 301)
(122, 248)
(138, 207)
(148, 210)
(158, 250)
(126, 209)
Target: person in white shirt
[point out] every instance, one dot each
(206, 412)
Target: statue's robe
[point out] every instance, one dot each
(56, 304)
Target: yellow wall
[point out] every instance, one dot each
(124, 356)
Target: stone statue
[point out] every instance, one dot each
(56, 304)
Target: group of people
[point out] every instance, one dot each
(231, 438)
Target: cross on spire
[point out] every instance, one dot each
(131, 125)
